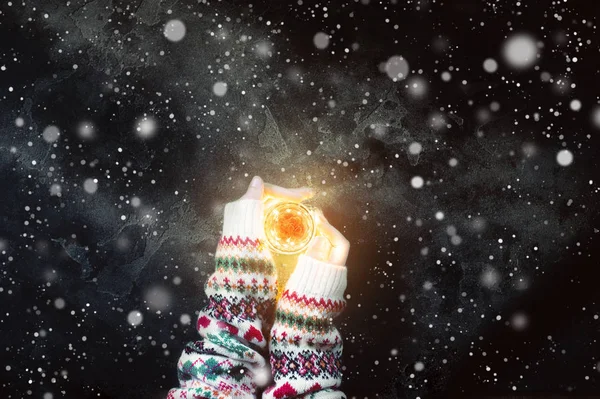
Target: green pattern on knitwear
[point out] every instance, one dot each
(209, 369)
(226, 340)
(201, 392)
(245, 264)
(318, 324)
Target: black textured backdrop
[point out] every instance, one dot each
(484, 280)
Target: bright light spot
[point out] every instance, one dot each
(135, 318)
(396, 68)
(146, 127)
(417, 182)
(174, 30)
(185, 319)
(575, 105)
(262, 376)
(439, 215)
(220, 88)
(519, 321)
(59, 303)
(520, 51)
(419, 366)
(415, 148)
(564, 157)
(158, 298)
(136, 202)
(19, 122)
(51, 134)
(56, 190)
(417, 86)
(264, 49)
(321, 40)
(446, 76)
(86, 130)
(490, 65)
(453, 162)
(490, 277)
(596, 116)
(90, 185)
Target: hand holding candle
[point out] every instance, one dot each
(331, 246)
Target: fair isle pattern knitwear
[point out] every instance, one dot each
(305, 349)
(229, 360)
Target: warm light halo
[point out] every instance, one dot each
(289, 226)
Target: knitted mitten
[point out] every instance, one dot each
(305, 348)
(229, 361)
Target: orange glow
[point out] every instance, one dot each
(291, 225)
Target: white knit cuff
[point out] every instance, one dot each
(318, 278)
(244, 218)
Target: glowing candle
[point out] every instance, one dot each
(289, 226)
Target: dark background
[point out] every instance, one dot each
(436, 307)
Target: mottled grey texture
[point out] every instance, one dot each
(200, 160)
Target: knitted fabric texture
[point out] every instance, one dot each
(251, 345)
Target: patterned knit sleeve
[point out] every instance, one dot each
(229, 360)
(305, 350)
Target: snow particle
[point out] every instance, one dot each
(19, 122)
(417, 86)
(56, 190)
(415, 148)
(321, 40)
(564, 157)
(185, 319)
(135, 318)
(520, 51)
(51, 134)
(262, 376)
(490, 278)
(439, 215)
(596, 116)
(396, 68)
(85, 130)
(417, 182)
(158, 298)
(146, 127)
(419, 366)
(59, 303)
(490, 65)
(453, 162)
(220, 88)
(519, 321)
(446, 76)
(90, 185)
(575, 105)
(174, 30)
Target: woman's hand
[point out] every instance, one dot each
(259, 190)
(331, 246)
(245, 216)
